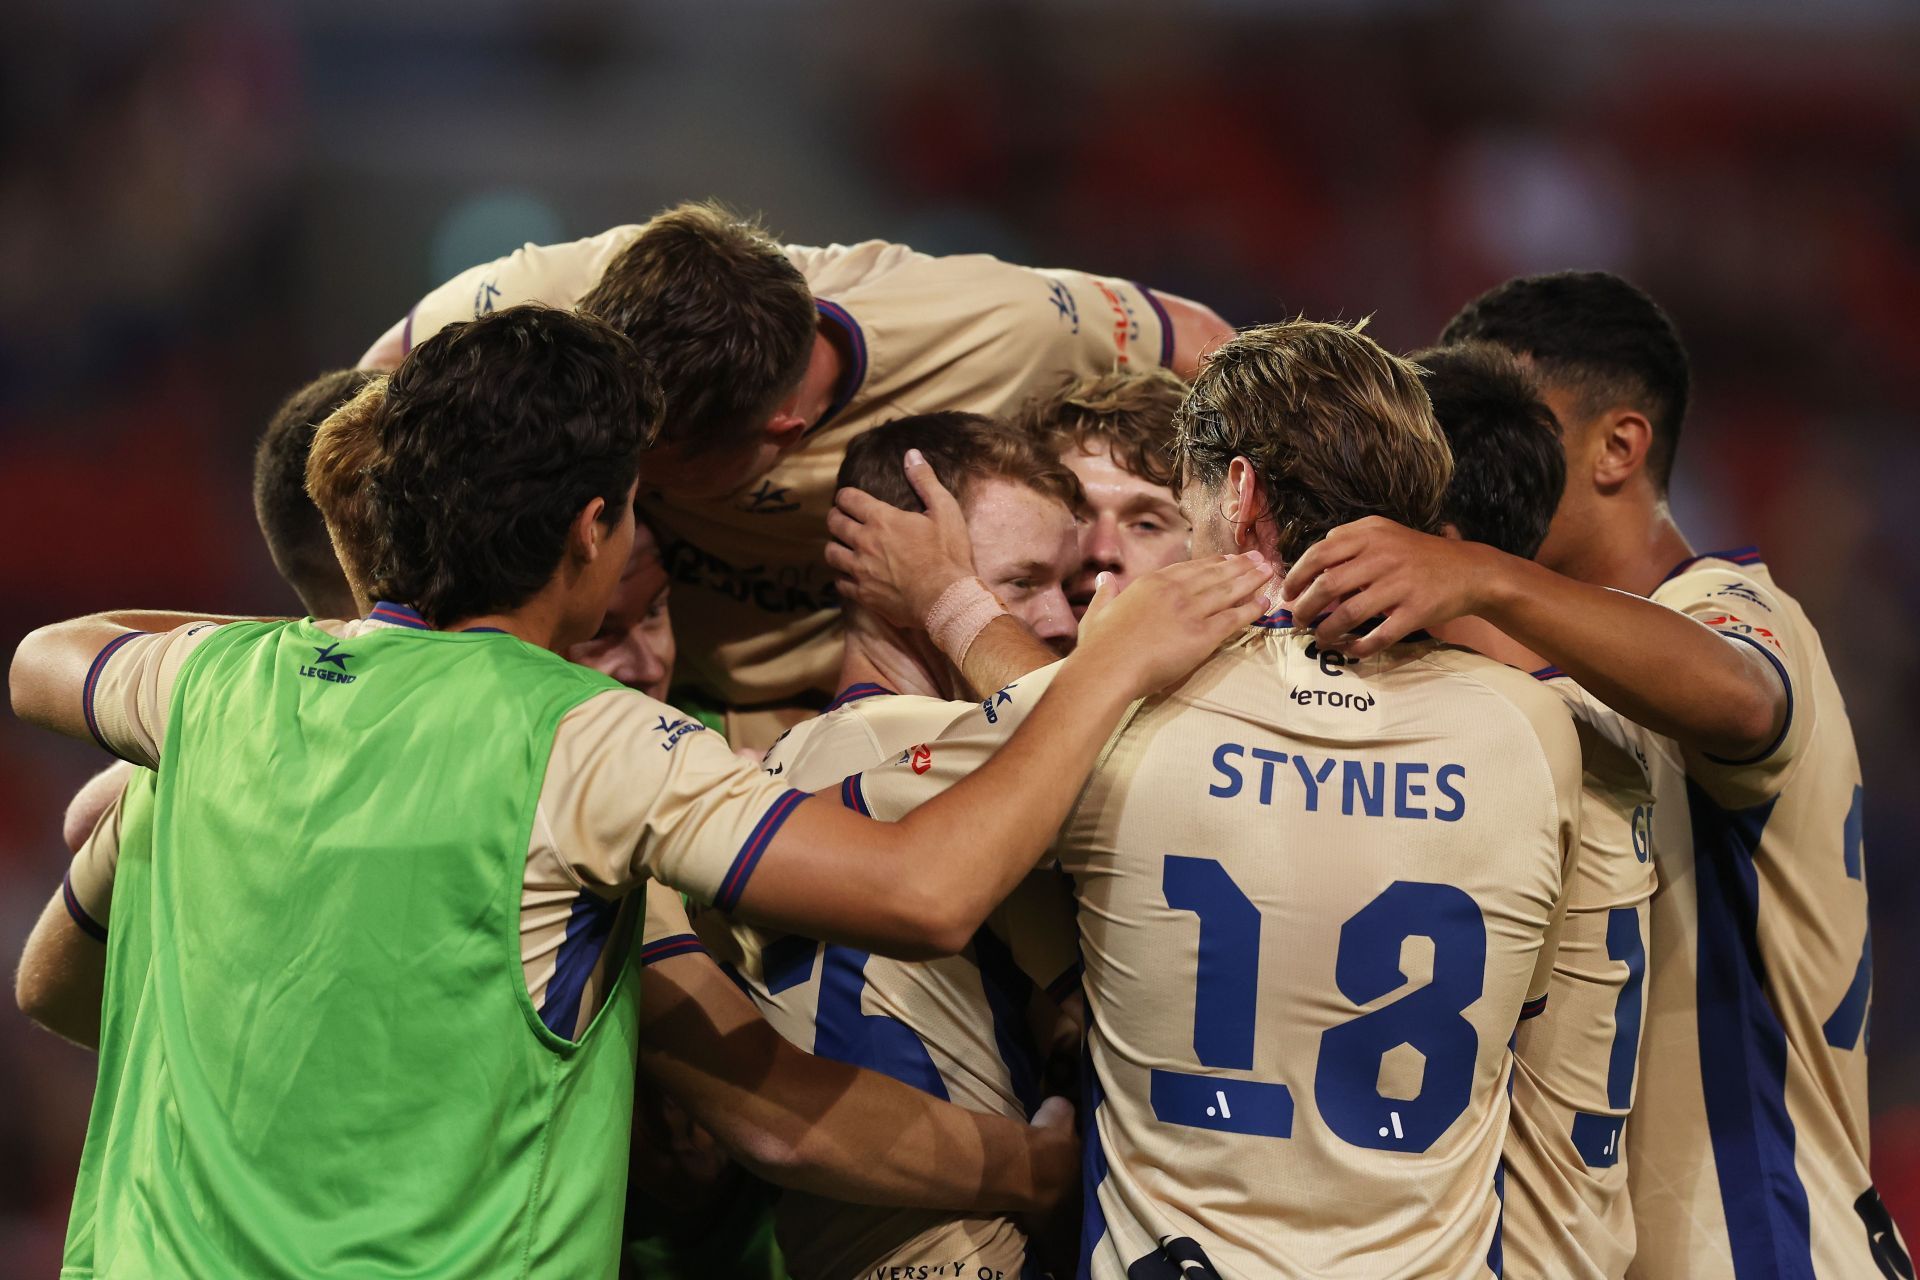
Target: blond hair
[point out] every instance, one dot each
(345, 452)
(1336, 428)
(1130, 411)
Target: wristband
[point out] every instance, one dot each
(959, 616)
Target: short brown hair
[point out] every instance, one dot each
(963, 449)
(1336, 428)
(722, 319)
(493, 435)
(1129, 410)
(296, 536)
(345, 451)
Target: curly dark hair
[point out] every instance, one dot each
(719, 313)
(493, 434)
(1509, 467)
(1603, 340)
(1336, 428)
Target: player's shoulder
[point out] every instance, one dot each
(836, 269)
(1731, 580)
(1470, 676)
(612, 712)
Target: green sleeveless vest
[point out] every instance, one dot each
(320, 1052)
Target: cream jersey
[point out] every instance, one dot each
(956, 1028)
(633, 790)
(1315, 899)
(753, 601)
(1567, 1210)
(1749, 1129)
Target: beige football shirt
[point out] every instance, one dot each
(1749, 1131)
(1567, 1211)
(1315, 897)
(634, 790)
(956, 1028)
(753, 602)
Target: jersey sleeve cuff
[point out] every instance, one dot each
(92, 686)
(1533, 1008)
(1166, 323)
(677, 944)
(1786, 723)
(1068, 983)
(88, 925)
(756, 845)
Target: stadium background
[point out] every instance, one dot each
(202, 205)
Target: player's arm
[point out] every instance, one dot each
(1653, 665)
(903, 565)
(62, 974)
(923, 885)
(1197, 330)
(53, 665)
(829, 1128)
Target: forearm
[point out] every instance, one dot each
(1657, 667)
(830, 1128)
(1006, 650)
(976, 840)
(62, 976)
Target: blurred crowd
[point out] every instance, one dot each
(202, 206)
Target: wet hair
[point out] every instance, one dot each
(1509, 468)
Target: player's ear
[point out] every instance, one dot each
(1452, 530)
(1243, 503)
(1625, 437)
(587, 535)
(785, 428)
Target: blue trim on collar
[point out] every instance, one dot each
(855, 692)
(1278, 620)
(856, 377)
(398, 615)
(1549, 673)
(1739, 555)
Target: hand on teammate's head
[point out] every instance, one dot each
(1376, 569)
(897, 563)
(1172, 620)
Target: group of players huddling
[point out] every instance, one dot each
(1429, 864)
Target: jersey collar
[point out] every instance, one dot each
(856, 374)
(855, 692)
(400, 615)
(1739, 555)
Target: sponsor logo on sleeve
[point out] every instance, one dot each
(920, 758)
(1000, 699)
(1733, 622)
(1125, 328)
(672, 731)
(484, 297)
(1064, 306)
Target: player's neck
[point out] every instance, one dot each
(541, 621)
(1632, 550)
(877, 653)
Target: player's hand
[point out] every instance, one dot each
(897, 563)
(1056, 1161)
(1169, 622)
(1374, 568)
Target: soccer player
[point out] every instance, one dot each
(1566, 1207)
(1749, 1138)
(1316, 896)
(1113, 431)
(772, 358)
(334, 1060)
(296, 535)
(957, 1027)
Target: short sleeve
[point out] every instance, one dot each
(666, 931)
(88, 888)
(894, 789)
(129, 689)
(636, 789)
(556, 275)
(1115, 323)
(1744, 609)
